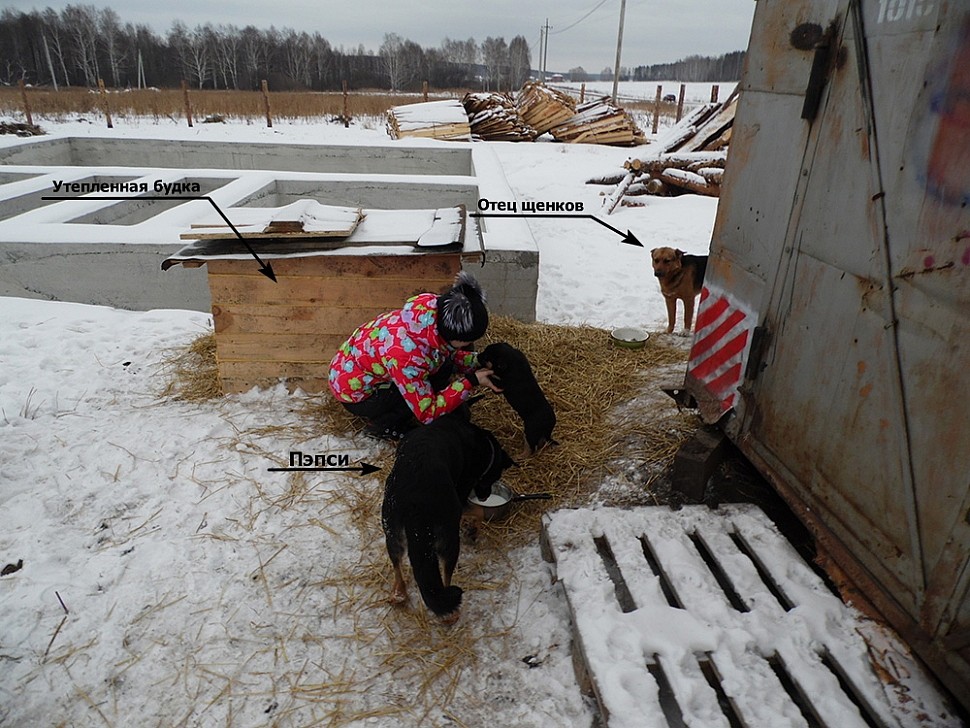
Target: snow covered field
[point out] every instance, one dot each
(169, 580)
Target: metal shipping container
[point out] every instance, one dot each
(833, 335)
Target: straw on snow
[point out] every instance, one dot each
(601, 429)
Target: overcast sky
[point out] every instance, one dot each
(656, 31)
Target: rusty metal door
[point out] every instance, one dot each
(842, 247)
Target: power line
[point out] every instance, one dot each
(600, 4)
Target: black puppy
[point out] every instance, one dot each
(513, 374)
(436, 468)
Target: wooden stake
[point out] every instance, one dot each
(424, 90)
(188, 107)
(23, 94)
(269, 118)
(714, 92)
(346, 108)
(104, 100)
(656, 108)
(582, 93)
(680, 101)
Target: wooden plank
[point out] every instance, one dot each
(278, 348)
(229, 290)
(303, 218)
(432, 266)
(310, 385)
(242, 376)
(252, 319)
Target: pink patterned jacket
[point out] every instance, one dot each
(404, 348)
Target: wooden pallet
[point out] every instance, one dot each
(711, 618)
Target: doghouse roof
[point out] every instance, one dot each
(376, 232)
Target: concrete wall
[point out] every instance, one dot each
(93, 151)
(43, 253)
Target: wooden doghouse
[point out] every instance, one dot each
(328, 282)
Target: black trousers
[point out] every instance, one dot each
(386, 408)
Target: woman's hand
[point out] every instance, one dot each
(484, 377)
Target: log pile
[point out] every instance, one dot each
(494, 117)
(599, 122)
(543, 108)
(689, 157)
(445, 120)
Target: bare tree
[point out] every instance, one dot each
(226, 52)
(298, 57)
(495, 57)
(57, 41)
(82, 27)
(110, 38)
(255, 54)
(520, 61)
(392, 59)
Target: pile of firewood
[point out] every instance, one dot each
(543, 108)
(444, 120)
(494, 117)
(533, 111)
(599, 122)
(20, 129)
(689, 157)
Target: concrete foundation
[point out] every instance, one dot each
(109, 252)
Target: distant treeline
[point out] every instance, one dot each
(694, 69)
(83, 44)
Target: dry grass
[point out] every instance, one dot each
(170, 103)
(193, 375)
(408, 668)
(610, 422)
(158, 104)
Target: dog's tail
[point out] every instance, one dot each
(423, 556)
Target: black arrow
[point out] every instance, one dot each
(265, 268)
(363, 469)
(628, 237)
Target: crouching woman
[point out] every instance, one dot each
(413, 364)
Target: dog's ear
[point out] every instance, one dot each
(680, 254)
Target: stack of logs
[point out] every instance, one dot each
(494, 117)
(690, 157)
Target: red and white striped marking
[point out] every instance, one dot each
(722, 336)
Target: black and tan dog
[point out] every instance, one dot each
(513, 374)
(681, 277)
(437, 467)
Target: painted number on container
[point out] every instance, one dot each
(892, 11)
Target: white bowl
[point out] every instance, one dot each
(629, 337)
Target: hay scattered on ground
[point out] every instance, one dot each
(609, 421)
(193, 372)
(617, 435)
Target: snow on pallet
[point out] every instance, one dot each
(711, 618)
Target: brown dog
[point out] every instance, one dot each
(681, 277)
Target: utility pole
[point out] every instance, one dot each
(619, 45)
(542, 40)
(545, 52)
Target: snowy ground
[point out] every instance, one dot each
(168, 579)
